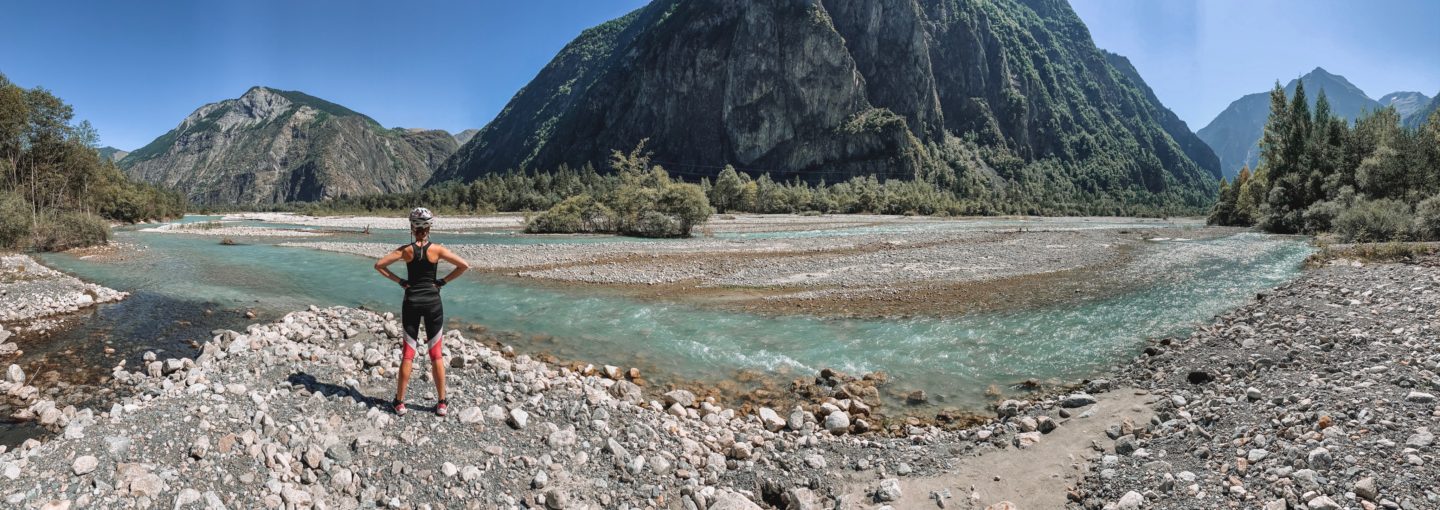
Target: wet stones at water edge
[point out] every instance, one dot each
(29, 290)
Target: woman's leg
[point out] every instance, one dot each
(434, 326)
(410, 320)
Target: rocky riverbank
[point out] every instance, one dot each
(1320, 395)
(31, 292)
(294, 414)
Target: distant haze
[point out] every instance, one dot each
(1200, 55)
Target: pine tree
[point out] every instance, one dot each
(1224, 211)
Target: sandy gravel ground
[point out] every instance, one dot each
(448, 223)
(859, 265)
(230, 230)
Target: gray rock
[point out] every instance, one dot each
(1077, 400)
(616, 449)
(518, 418)
(471, 415)
(627, 391)
(1130, 501)
(837, 422)
(1323, 503)
(563, 438)
(1044, 424)
(84, 464)
(1126, 445)
(727, 500)
(889, 490)
(1422, 438)
(556, 500)
(1008, 408)
(1416, 397)
(1365, 488)
(682, 397)
(1025, 440)
(772, 420)
(796, 421)
(15, 374)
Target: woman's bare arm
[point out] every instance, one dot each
(383, 265)
(460, 264)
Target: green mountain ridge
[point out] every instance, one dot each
(271, 146)
(1004, 94)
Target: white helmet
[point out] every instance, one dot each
(421, 217)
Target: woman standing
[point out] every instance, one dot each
(422, 301)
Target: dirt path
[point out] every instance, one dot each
(1034, 478)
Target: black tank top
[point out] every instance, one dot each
(421, 271)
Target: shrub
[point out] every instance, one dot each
(1369, 221)
(687, 204)
(1320, 216)
(1427, 219)
(66, 230)
(14, 220)
(580, 213)
(655, 224)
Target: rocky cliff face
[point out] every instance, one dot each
(1235, 133)
(273, 146)
(829, 89)
(1422, 114)
(1405, 103)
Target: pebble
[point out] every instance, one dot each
(1417, 397)
(519, 418)
(837, 422)
(888, 491)
(1130, 501)
(84, 464)
(1077, 400)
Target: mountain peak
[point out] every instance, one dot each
(1235, 132)
(271, 145)
(1319, 78)
(261, 94)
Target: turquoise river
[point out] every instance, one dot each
(185, 285)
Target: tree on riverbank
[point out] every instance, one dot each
(56, 192)
(1375, 181)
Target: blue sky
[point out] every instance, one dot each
(134, 69)
(1199, 55)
